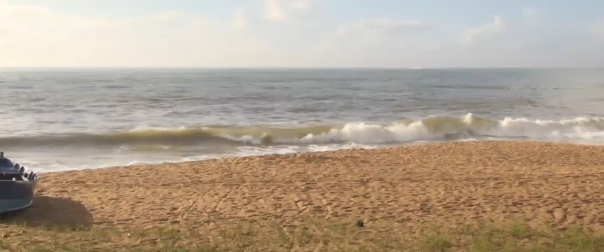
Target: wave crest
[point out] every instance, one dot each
(407, 130)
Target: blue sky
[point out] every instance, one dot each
(302, 33)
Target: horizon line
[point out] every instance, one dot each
(276, 67)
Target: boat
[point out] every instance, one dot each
(17, 186)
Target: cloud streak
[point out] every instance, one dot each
(485, 31)
(365, 34)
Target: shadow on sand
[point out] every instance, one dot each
(51, 212)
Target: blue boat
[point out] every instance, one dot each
(17, 185)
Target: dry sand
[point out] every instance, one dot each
(445, 183)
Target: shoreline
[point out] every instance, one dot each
(383, 147)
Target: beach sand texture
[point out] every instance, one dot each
(448, 183)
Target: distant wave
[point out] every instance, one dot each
(169, 136)
(407, 130)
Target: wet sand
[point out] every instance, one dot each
(446, 183)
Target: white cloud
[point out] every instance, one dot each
(530, 13)
(365, 32)
(530, 41)
(598, 29)
(373, 42)
(274, 10)
(279, 10)
(532, 17)
(35, 36)
(380, 26)
(240, 20)
(485, 31)
(301, 4)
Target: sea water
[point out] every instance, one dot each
(65, 119)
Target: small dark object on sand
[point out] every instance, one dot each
(360, 223)
(17, 187)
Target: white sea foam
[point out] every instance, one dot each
(466, 127)
(164, 143)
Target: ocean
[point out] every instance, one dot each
(66, 118)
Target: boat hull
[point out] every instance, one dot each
(16, 195)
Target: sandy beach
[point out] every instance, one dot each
(445, 183)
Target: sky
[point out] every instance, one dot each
(302, 33)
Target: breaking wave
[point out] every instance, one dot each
(407, 130)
